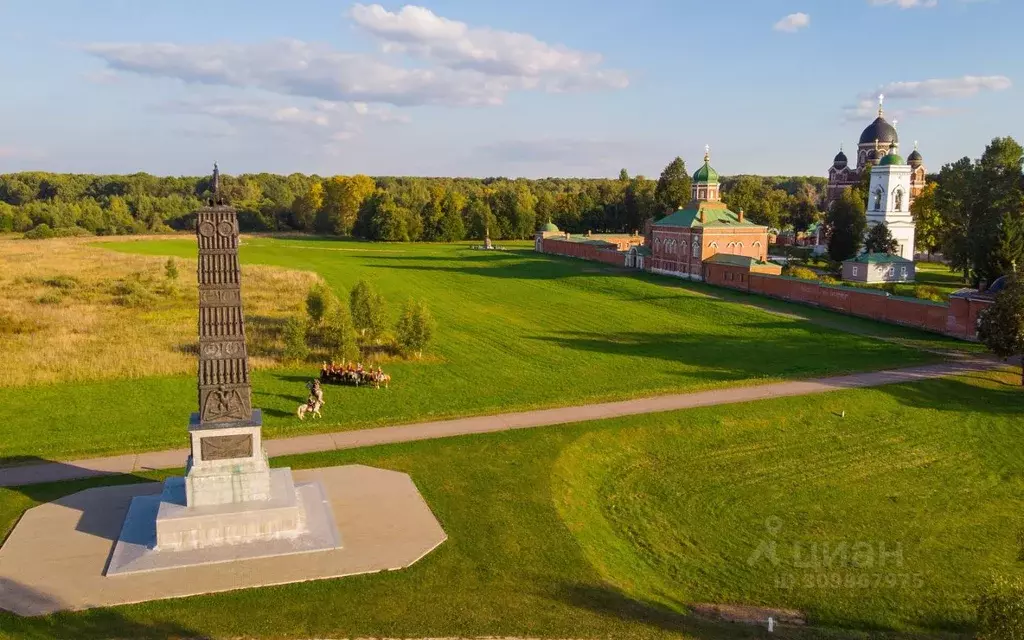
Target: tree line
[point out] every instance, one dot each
(384, 208)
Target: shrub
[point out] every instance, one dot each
(929, 292)
(803, 273)
(133, 291)
(1001, 610)
(39, 232)
(64, 283)
(415, 327)
(9, 325)
(829, 280)
(50, 298)
(295, 347)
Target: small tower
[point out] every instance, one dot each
(917, 174)
(889, 201)
(705, 181)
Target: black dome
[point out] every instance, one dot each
(915, 159)
(879, 130)
(874, 155)
(841, 160)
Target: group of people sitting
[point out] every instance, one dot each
(353, 373)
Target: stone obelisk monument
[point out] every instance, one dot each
(229, 496)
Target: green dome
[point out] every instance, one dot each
(549, 227)
(891, 159)
(706, 173)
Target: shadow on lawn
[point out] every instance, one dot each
(95, 623)
(609, 601)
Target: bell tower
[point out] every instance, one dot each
(889, 201)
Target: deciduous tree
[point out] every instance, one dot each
(880, 240)
(847, 222)
(674, 186)
(1001, 326)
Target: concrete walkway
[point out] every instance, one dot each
(129, 463)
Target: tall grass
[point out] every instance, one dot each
(70, 311)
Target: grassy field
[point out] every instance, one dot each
(610, 529)
(516, 330)
(71, 312)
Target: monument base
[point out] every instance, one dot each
(243, 531)
(180, 526)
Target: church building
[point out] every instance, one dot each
(682, 241)
(876, 142)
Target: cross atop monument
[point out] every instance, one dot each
(881, 99)
(707, 153)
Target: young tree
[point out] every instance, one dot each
(880, 240)
(1010, 253)
(171, 270)
(340, 337)
(318, 302)
(359, 303)
(623, 175)
(369, 312)
(295, 347)
(847, 221)
(674, 186)
(415, 327)
(1001, 327)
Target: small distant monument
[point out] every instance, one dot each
(487, 239)
(229, 494)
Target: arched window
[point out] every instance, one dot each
(739, 247)
(713, 245)
(878, 199)
(898, 199)
(696, 248)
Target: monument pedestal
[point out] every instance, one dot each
(230, 501)
(180, 526)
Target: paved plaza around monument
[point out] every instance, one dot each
(54, 559)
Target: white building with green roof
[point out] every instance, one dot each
(889, 201)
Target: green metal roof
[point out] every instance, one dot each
(549, 227)
(739, 261)
(891, 158)
(713, 217)
(879, 258)
(706, 174)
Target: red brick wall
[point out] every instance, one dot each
(958, 318)
(584, 251)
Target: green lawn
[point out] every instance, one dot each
(938, 275)
(608, 529)
(517, 330)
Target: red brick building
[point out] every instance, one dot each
(680, 242)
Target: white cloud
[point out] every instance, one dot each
(793, 23)
(421, 33)
(906, 4)
(468, 66)
(927, 91)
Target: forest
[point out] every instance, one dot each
(398, 209)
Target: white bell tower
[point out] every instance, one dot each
(889, 201)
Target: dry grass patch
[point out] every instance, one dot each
(70, 311)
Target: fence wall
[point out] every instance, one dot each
(584, 251)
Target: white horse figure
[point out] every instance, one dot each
(310, 408)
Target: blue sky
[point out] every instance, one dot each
(487, 87)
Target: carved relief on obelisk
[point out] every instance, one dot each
(224, 391)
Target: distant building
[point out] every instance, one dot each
(889, 201)
(878, 267)
(681, 241)
(876, 141)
